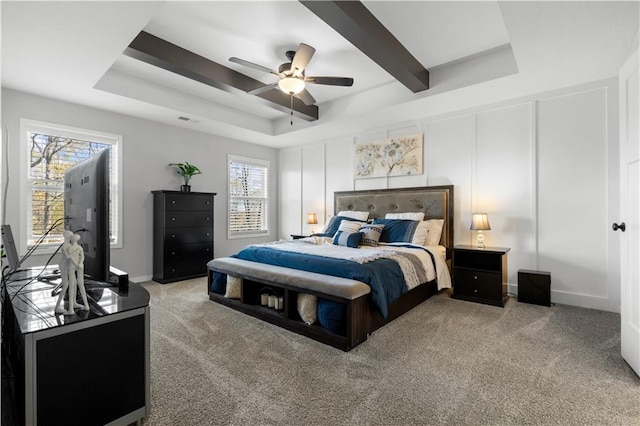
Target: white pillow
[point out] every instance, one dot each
(420, 235)
(371, 235)
(350, 226)
(435, 232)
(354, 214)
(307, 307)
(234, 285)
(407, 215)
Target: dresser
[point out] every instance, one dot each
(182, 234)
(480, 274)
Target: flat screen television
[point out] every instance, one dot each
(86, 211)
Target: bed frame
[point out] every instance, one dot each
(362, 316)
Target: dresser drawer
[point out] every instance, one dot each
(188, 252)
(186, 260)
(477, 284)
(188, 219)
(179, 236)
(188, 202)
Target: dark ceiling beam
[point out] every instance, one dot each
(360, 27)
(156, 51)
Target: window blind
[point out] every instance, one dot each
(248, 196)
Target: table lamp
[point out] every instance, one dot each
(312, 219)
(480, 222)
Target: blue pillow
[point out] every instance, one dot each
(219, 283)
(334, 223)
(332, 316)
(397, 230)
(347, 239)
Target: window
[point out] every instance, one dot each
(248, 197)
(51, 150)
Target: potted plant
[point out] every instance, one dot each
(186, 170)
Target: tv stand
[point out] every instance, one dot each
(105, 350)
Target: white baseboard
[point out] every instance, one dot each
(141, 279)
(574, 299)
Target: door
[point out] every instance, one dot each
(630, 213)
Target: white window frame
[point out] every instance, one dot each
(254, 162)
(27, 126)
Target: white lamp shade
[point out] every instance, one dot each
(291, 85)
(312, 218)
(480, 222)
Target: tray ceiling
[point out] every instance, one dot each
(80, 57)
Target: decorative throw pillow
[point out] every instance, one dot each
(371, 234)
(363, 216)
(307, 307)
(397, 230)
(333, 225)
(350, 226)
(435, 232)
(332, 316)
(347, 239)
(234, 287)
(407, 215)
(219, 283)
(420, 236)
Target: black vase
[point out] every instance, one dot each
(185, 188)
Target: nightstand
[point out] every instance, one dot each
(480, 274)
(297, 237)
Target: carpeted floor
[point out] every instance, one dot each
(445, 362)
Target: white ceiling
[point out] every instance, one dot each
(73, 51)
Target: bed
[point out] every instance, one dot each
(313, 287)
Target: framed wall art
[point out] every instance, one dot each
(398, 156)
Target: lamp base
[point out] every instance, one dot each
(480, 240)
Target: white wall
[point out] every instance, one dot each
(545, 169)
(148, 148)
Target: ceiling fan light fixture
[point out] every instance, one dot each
(291, 85)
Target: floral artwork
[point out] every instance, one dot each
(398, 156)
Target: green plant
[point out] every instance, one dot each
(186, 170)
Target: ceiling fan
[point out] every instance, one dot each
(292, 79)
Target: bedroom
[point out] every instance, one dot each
(505, 143)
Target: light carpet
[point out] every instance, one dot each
(445, 362)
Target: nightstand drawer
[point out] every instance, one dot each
(477, 284)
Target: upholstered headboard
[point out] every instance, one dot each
(435, 201)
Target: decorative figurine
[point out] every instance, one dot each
(72, 272)
(63, 267)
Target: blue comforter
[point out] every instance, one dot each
(384, 276)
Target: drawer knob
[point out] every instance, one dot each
(173, 201)
(475, 291)
(475, 277)
(208, 234)
(173, 235)
(173, 252)
(208, 202)
(173, 219)
(207, 218)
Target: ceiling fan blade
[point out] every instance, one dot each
(252, 65)
(301, 59)
(331, 81)
(263, 89)
(306, 97)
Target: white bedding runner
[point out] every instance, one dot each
(414, 276)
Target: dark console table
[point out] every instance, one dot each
(91, 367)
